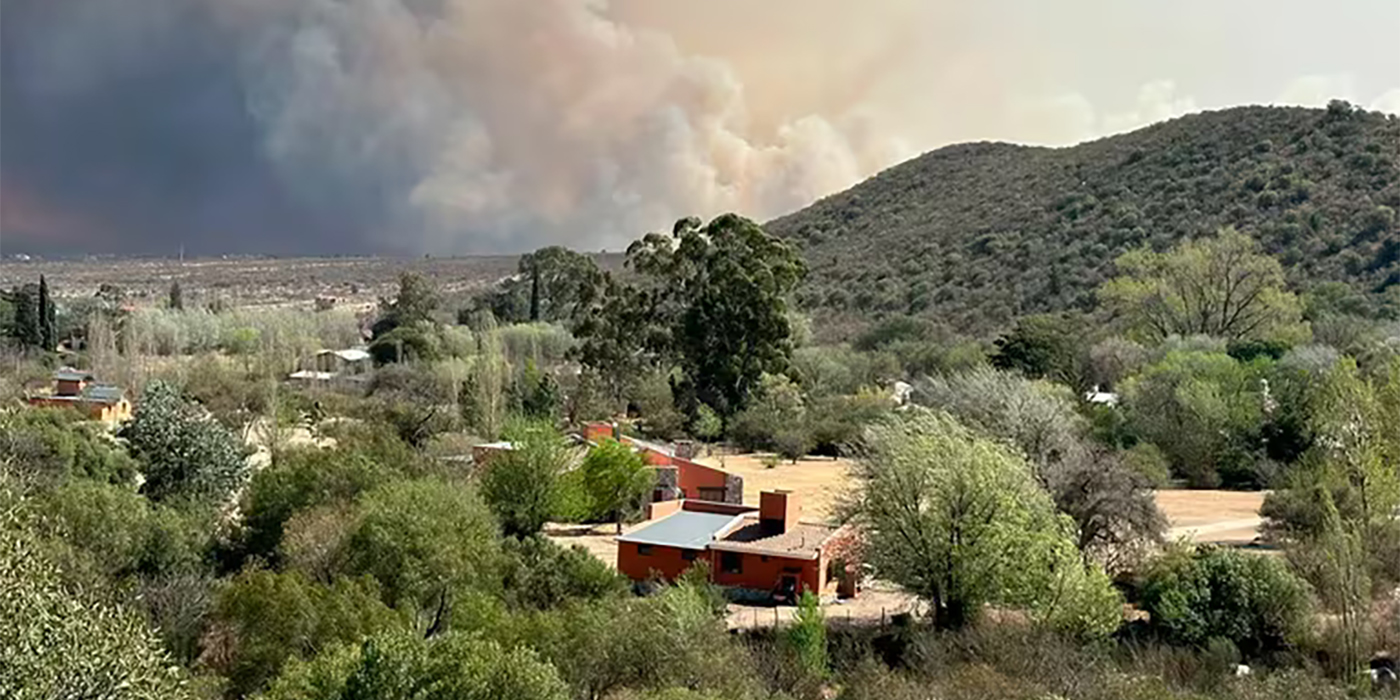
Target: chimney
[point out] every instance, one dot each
(778, 511)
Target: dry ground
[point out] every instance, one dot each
(1228, 517)
(255, 281)
(818, 482)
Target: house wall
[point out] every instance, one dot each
(667, 562)
(595, 432)
(694, 476)
(841, 545)
(760, 575)
(68, 387)
(110, 413)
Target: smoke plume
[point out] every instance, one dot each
(474, 126)
(443, 126)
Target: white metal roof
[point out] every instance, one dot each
(686, 529)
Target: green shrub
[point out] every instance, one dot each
(1252, 601)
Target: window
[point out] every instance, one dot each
(712, 494)
(763, 558)
(644, 550)
(731, 562)
(689, 554)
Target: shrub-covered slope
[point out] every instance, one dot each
(977, 234)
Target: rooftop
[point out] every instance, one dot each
(102, 393)
(350, 355)
(503, 445)
(802, 540)
(685, 529)
(68, 374)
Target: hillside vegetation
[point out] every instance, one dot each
(975, 235)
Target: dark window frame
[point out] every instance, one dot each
(644, 550)
(731, 562)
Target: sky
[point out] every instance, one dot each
(449, 127)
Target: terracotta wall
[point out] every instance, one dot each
(668, 562)
(761, 575)
(694, 476)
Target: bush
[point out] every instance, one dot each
(50, 446)
(406, 344)
(184, 453)
(540, 575)
(301, 479)
(1253, 601)
(268, 618)
(422, 540)
(59, 640)
(403, 666)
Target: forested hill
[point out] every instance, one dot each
(977, 234)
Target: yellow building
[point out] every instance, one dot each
(77, 389)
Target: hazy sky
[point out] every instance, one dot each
(464, 126)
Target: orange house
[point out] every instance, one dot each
(76, 389)
(767, 549)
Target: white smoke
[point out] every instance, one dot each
(502, 124)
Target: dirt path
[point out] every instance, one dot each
(1225, 517)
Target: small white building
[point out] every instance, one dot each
(1101, 398)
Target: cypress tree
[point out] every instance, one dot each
(177, 296)
(26, 323)
(48, 335)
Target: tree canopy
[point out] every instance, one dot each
(1222, 287)
(712, 298)
(959, 520)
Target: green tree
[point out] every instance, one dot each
(617, 479)
(25, 327)
(734, 280)
(624, 336)
(49, 447)
(1202, 409)
(1349, 474)
(541, 575)
(399, 666)
(183, 452)
(777, 410)
(1046, 346)
(714, 299)
(61, 640)
(48, 331)
(1206, 593)
(406, 343)
(415, 303)
(553, 284)
(707, 425)
(806, 638)
(521, 485)
(960, 521)
(1222, 287)
(301, 479)
(176, 301)
(535, 395)
(273, 617)
(425, 541)
(1112, 505)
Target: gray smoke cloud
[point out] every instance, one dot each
(474, 126)
(445, 126)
